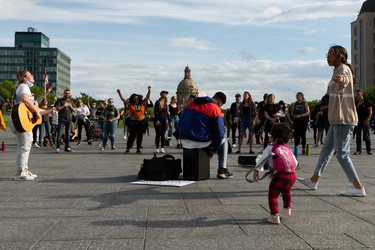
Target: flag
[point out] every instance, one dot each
(47, 84)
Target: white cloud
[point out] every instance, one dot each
(191, 42)
(306, 50)
(221, 12)
(283, 79)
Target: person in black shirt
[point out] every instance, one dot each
(271, 114)
(364, 112)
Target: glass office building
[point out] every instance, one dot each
(363, 45)
(31, 51)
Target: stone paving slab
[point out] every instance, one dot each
(84, 200)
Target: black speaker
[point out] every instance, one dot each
(196, 164)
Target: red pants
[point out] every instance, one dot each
(280, 183)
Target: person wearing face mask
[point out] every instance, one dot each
(137, 120)
(24, 139)
(110, 116)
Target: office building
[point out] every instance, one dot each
(32, 51)
(362, 43)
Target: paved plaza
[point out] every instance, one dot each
(84, 200)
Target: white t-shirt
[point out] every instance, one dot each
(82, 112)
(23, 89)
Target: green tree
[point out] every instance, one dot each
(370, 95)
(6, 89)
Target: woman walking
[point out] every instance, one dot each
(342, 116)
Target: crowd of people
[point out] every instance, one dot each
(343, 113)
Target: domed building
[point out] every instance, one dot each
(186, 88)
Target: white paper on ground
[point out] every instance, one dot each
(173, 183)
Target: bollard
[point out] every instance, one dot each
(296, 151)
(308, 149)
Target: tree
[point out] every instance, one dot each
(370, 95)
(7, 89)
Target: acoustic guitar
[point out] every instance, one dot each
(23, 119)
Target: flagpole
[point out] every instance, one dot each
(45, 75)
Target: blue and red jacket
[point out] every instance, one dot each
(202, 121)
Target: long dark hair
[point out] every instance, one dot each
(342, 53)
(131, 98)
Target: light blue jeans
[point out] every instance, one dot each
(109, 130)
(222, 153)
(24, 141)
(337, 140)
(174, 119)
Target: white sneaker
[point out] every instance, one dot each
(36, 145)
(24, 176)
(124, 137)
(162, 150)
(274, 219)
(31, 174)
(57, 150)
(234, 146)
(354, 192)
(308, 183)
(287, 211)
(157, 151)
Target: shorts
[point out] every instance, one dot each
(246, 123)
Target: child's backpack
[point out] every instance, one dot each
(283, 158)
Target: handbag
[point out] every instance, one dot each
(160, 169)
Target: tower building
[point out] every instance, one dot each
(363, 45)
(186, 88)
(32, 51)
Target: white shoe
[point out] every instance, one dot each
(31, 174)
(162, 150)
(36, 145)
(234, 146)
(287, 211)
(308, 183)
(24, 176)
(124, 137)
(354, 192)
(274, 219)
(157, 151)
(57, 150)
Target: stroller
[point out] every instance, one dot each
(94, 130)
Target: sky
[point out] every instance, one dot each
(273, 46)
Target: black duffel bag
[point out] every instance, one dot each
(247, 160)
(160, 169)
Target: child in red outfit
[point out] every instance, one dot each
(281, 159)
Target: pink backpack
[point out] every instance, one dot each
(283, 158)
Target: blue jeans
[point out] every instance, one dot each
(366, 136)
(222, 153)
(60, 131)
(46, 127)
(109, 130)
(174, 119)
(337, 140)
